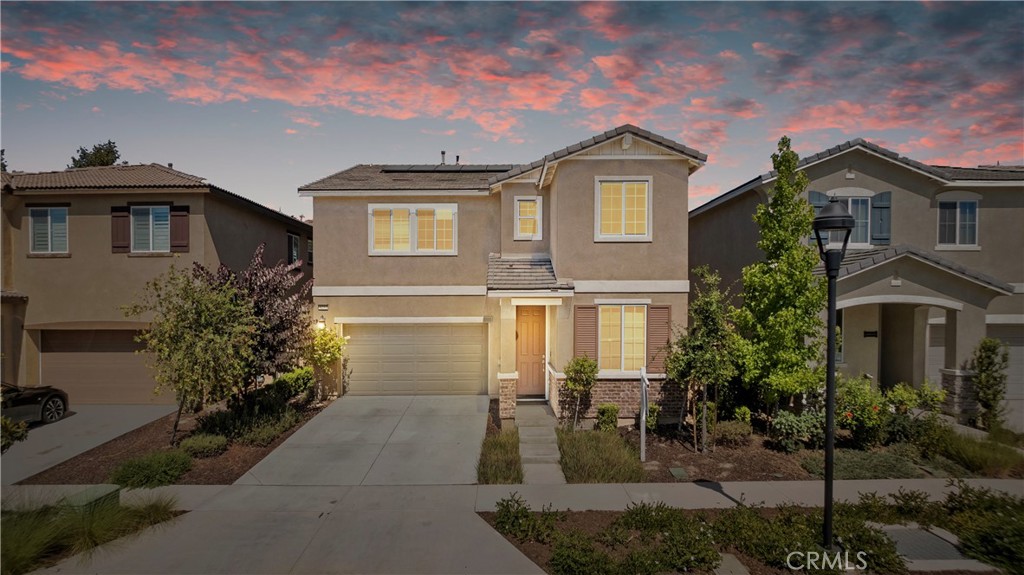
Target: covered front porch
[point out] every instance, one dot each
(888, 298)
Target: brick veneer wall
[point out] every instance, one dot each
(626, 394)
(507, 397)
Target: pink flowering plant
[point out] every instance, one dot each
(862, 409)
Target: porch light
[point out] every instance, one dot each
(321, 323)
(834, 217)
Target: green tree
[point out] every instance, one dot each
(201, 339)
(3, 160)
(105, 154)
(580, 376)
(326, 348)
(782, 299)
(989, 364)
(702, 356)
(13, 432)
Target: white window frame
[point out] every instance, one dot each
(621, 304)
(131, 224)
(293, 238)
(539, 218)
(598, 236)
(49, 230)
(848, 200)
(956, 243)
(413, 229)
(309, 251)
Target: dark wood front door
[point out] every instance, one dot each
(530, 350)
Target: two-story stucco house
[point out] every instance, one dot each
(488, 279)
(935, 262)
(80, 243)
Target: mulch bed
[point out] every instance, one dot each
(97, 464)
(755, 462)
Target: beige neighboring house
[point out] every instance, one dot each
(80, 243)
(488, 279)
(935, 263)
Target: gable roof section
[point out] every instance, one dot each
(944, 174)
(102, 177)
(382, 177)
(558, 155)
(860, 260)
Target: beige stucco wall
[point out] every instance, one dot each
(860, 353)
(578, 256)
(234, 233)
(342, 255)
(510, 245)
(725, 239)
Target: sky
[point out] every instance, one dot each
(261, 98)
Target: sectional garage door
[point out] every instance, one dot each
(417, 359)
(98, 366)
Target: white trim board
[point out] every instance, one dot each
(617, 301)
(544, 301)
(990, 319)
(914, 299)
(632, 286)
(357, 291)
(528, 293)
(411, 320)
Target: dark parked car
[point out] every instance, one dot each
(46, 404)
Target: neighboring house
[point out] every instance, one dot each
(80, 243)
(935, 263)
(488, 279)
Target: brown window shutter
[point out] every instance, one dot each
(585, 331)
(120, 229)
(659, 334)
(179, 228)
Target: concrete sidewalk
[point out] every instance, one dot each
(406, 529)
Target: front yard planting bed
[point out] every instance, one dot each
(98, 464)
(654, 538)
(500, 462)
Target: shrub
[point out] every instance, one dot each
(265, 430)
(152, 470)
(13, 432)
(607, 417)
(515, 519)
(814, 428)
(742, 414)
(984, 457)
(580, 375)
(204, 445)
(575, 553)
(856, 464)
(989, 364)
(787, 432)
(500, 462)
(653, 410)
(903, 398)
(648, 517)
(733, 433)
(1006, 436)
(861, 408)
(990, 525)
(688, 546)
(596, 457)
(296, 382)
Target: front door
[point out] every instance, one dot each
(530, 350)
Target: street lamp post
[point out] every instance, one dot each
(834, 217)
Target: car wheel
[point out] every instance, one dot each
(53, 410)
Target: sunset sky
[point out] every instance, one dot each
(261, 98)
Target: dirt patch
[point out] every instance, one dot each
(667, 448)
(97, 464)
(493, 418)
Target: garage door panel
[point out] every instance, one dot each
(410, 359)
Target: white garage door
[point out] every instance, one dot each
(417, 359)
(1013, 337)
(98, 366)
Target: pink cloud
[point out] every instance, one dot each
(305, 120)
(1011, 153)
(290, 131)
(96, 110)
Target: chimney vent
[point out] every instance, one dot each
(442, 157)
(170, 165)
(456, 159)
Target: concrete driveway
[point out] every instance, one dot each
(85, 427)
(403, 440)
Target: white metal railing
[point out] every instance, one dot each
(643, 413)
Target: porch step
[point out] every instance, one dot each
(543, 474)
(538, 435)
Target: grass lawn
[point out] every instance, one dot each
(499, 458)
(598, 457)
(856, 464)
(39, 537)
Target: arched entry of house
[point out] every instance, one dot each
(887, 336)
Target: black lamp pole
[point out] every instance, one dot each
(833, 217)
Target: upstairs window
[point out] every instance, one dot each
(49, 230)
(958, 223)
(622, 209)
(871, 218)
(413, 229)
(528, 218)
(151, 228)
(293, 248)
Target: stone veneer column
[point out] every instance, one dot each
(507, 395)
(960, 400)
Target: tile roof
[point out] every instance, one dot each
(409, 177)
(859, 260)
(118, 176)
(860, 142)
(521, 273)
(598, 139)
(983, 173)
